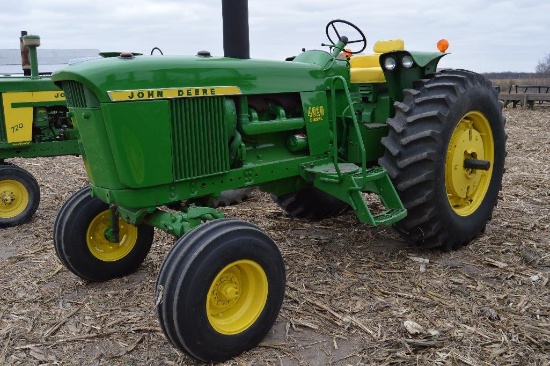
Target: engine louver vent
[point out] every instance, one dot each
(199, 136)
(74, 94)
(365, 88)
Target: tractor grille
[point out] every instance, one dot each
(74, 94)
(199, 135)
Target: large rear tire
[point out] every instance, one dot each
(310, 203)
(442, 122)
(220, 289)
(19, 195)
(82, 246)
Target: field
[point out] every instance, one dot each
(355, 295)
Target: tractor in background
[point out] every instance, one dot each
(34, 123)
(321, 133)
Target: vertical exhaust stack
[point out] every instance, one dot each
(236, 43)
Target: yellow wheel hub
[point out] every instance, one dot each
(471, 139)
(14, 198)
(236, 297)
(101, 247)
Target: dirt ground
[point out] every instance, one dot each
(356, 294)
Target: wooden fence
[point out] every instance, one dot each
(525, 95)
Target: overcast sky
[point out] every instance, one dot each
(484, 35)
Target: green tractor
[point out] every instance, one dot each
(320, 132)
(33, 123)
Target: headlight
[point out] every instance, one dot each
(407, 62)
(390, 63)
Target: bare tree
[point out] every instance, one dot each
(543, 67)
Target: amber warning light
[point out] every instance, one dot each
(442, 45)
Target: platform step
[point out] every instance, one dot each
(348, 181)
(328, 172)
(390, 216)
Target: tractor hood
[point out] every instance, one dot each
(152, 73)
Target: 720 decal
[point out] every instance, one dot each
(17, 127)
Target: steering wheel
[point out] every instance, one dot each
(156, 49)
(332, 25)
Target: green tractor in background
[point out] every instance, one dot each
(33, 123)
(318, 131)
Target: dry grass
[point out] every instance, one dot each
(355, 294)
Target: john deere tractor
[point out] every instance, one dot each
(318, 131)
(33, 123)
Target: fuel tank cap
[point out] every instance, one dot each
(126, 55)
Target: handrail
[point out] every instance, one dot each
(335, 129)
(355, 127)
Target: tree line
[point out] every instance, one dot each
(542, 71)
(513, 75)
(543, 66)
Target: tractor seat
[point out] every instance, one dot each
(366, 68)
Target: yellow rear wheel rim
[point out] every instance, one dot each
(237, 297)
(471, 139)
(103, 249)
(14, 198)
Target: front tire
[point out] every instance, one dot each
(19, 196)
(81, 245)
(220, 289)
(442, 122)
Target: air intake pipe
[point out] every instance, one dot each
(32, 42)
(25, 61)
(236, 42)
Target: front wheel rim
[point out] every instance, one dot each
(472, 138)
(14, 198)
(236, 297)
(101, 247)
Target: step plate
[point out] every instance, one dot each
(330, 169)
(390, 216)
